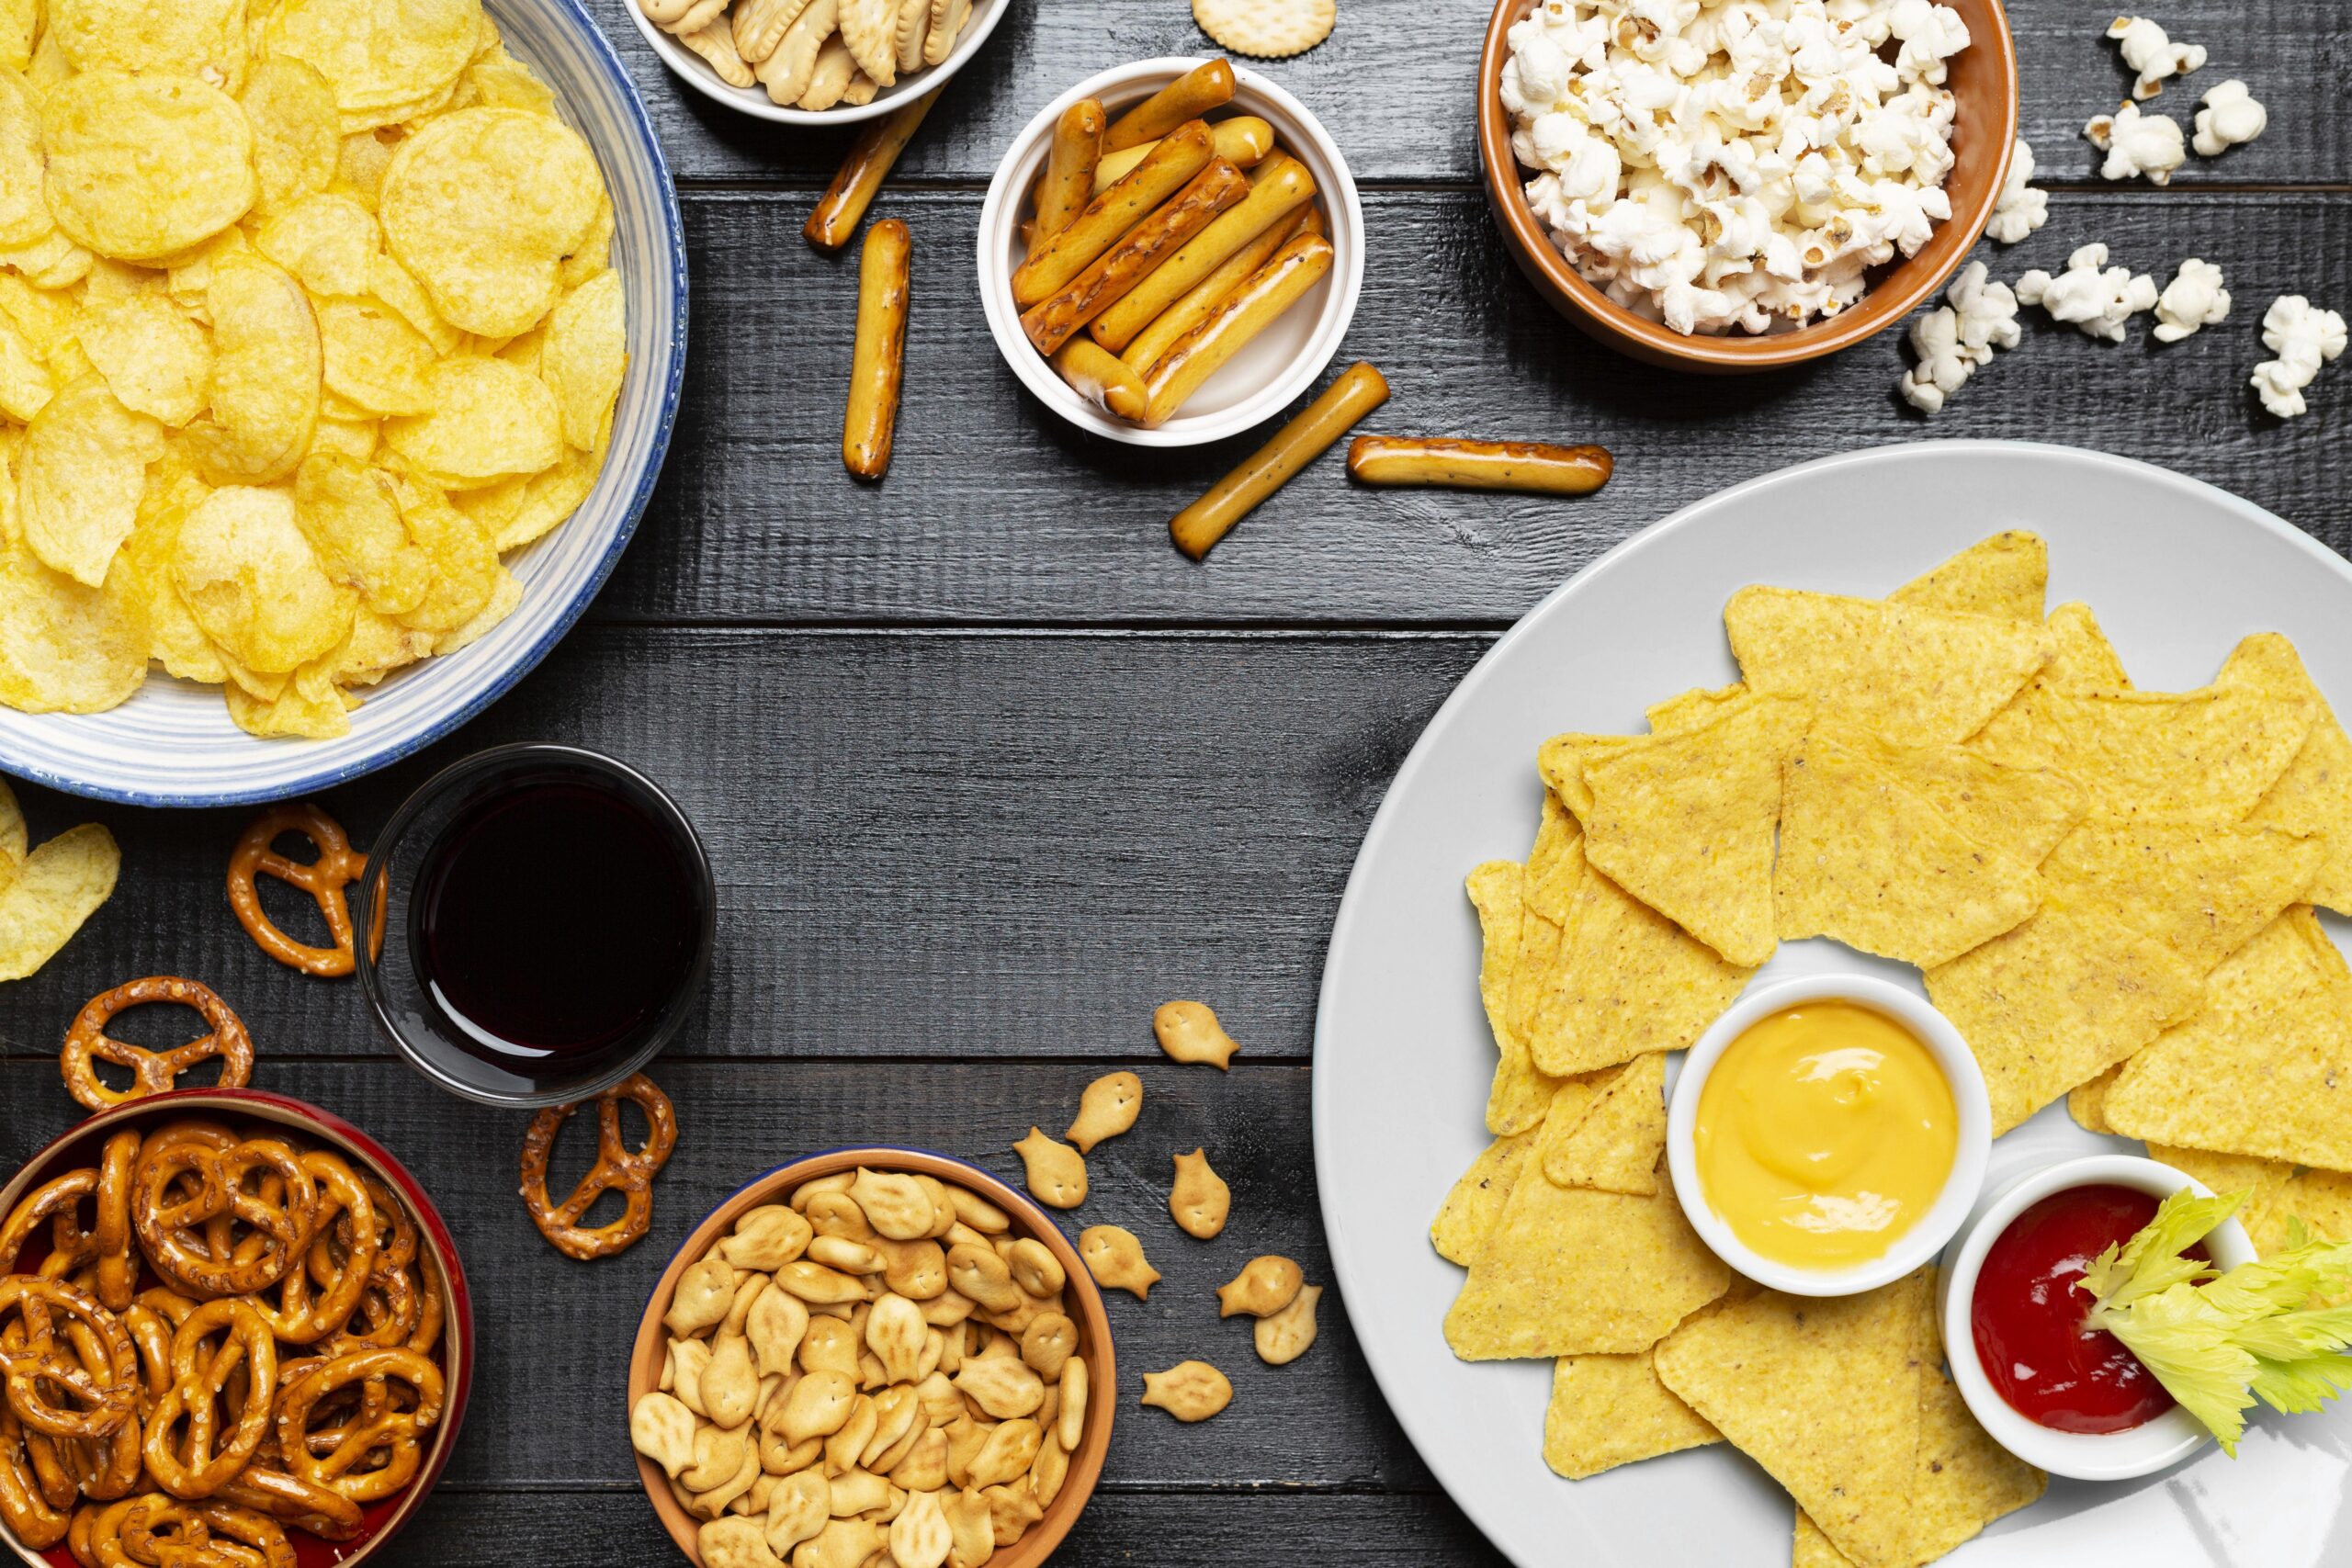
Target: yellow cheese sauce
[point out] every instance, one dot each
(1824, 1133)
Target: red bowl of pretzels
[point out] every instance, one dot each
(233, 1331)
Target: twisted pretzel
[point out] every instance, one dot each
(323, 879)
(96, 1398)
(151, 1072)
(290, 1500)
(185, 1182)
(30, 1518)
(297, 1318)
(118, 1264)
(202, 1466)
(381, 1427)
(618, 1169)
(58, 1197)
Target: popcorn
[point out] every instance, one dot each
(1958, 337)
(2304, 339)
(2020, 208)
(2231, 117)
(1727, 165)
(2098, 300)
(2148, 50)
(2194, 298)
(2137, 144)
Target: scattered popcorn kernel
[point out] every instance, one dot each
(2148, 50)
(2139, 145)
(2194, 298)
(2304, 339)
(2231, 117)
(2020, 208)
(2098, 300)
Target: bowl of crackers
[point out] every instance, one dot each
(1171, 252)
(816, 61)
(870, 1351)
(170, 1241)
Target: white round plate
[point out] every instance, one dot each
(2177, 570)
(173, 743)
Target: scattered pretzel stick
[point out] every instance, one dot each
(1311, 432)
(877, 366)
(861, 173)
(1537, 466)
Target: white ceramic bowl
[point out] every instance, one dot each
(2085, 1456)
(1281, 362)
(696, 73)
(1934, 1228)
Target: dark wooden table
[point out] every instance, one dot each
(988, 769)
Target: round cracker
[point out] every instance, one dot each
(1267, 29)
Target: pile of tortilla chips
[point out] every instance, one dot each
(2110, 893)
(306, 319)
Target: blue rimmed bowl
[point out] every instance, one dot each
(173, 744)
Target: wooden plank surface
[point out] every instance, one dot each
(995, 511)
(1396, 85)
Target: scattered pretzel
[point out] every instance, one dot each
(151, 1072)
(617, 1170)
(323, 879)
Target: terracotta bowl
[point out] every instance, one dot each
(379, 1522)
(1085, 1310)
(1984, 80)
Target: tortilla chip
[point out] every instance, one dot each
(2025, 734)
(2314, 795)
(1555, 870)
(2087, 1102)
(1684, 823)
(1477, 1200)
(2004, 576)
(1700, 704)
(1872, 863)
(1616, 1144)
(1571, 1271)
(2203, 890)
(1563, 760)
(1628, 981)
(1823, 1393)
(1516, 1101)
(2022, 812)
(1918, 676)
(1612, 1410)
(2057, 1001)
(2270, 1077)
(1813, 1549)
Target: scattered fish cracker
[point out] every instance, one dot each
(1684, 822)
(2201, 889)
(1915, 674)
(1267, 29)
(1477, 1197)
(1616, 1144)
(1612, 1410)
(1877, 866)
(2057, 1001)
(2006, 576)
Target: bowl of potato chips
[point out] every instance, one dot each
(339, 348)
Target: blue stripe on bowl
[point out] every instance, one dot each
(173, 743)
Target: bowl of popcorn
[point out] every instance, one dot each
(867, 1351)
(1731, 187)
(816, 61)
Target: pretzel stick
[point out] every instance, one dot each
(1311, 432)
(1181, 155)
(1276, 191)
(1274, 287)
(1209, 293)
(1101, 376)
(861, 173)
(1189, 97)
(1068, 182)
(1243, 141)
(1538, 467)
(1146, 246)
(878, 361)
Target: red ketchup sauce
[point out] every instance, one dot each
(2028, 1315)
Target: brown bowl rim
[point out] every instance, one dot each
(1094, 1323)
(1619, 328)
(457, 1323)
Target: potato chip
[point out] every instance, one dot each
(59, 887)
(488, 420)
(53, 261)
(1612, 1410)
(311, 707)
(328, 242)
(84, 468)
(266, 369)
(1476, 1199)
(296, 143)
(19, 21)
(2200, 889)
(252, 583)
(23, 211)
(360, 160)
(144, 166)
(1916, 675)
(1519, 1094)
(351, 515)
(1825, 1394)
(1568, 1272)
(1877, 866)
(353, 438)
(65, 648)
(505, 592)
(12, 833)
(154, 359)
(500, 80)
(2006, 576)
(465, 567)
(595, 252)
(2059, 1000)
(548, 498)
(47, 318)
(584, 355)
(173, 639)
(204, 39)
(1684, 823)
(26, 383)
(373, 359)
(482, 206)
(380, 60)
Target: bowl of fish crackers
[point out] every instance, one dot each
(339, 348)
(2110, 893)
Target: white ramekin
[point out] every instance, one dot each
(1264, 377)
(1934, 1228)
(696, 73)
(2085, 1456)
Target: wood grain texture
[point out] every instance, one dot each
(944, 845)
(551, 1327)
(1396, 85)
